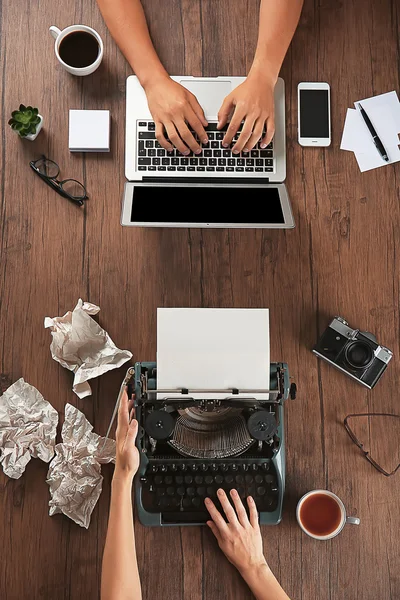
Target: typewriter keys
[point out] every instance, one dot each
(262, 425)
(159, 424)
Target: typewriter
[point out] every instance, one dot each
(189, 448)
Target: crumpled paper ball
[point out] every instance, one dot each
(28, 425)
(74, 475)
(82, 346)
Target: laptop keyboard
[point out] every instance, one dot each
(151, 156)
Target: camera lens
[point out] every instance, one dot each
(359, 355)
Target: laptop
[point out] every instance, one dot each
(213, 189)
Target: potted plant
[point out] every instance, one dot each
(26, 122)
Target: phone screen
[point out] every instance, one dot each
(314, 113)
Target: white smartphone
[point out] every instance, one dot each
(314, 117)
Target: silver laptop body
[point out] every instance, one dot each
(214, 182)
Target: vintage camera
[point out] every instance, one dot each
(356, 353)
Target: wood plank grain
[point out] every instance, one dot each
(342, 258)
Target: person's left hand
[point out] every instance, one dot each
(127, 459)
(252, 102)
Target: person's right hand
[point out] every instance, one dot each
(174, 108)
(239, 539)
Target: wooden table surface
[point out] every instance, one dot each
(342, 258)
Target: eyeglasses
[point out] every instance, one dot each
(48, 170)
(361, 446)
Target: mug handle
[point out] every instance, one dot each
(55, 32)
(353, 520)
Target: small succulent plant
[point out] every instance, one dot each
(25, 120)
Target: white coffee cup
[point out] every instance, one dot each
(59, 35)
(343, 517)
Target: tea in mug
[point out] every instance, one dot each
(320, 514)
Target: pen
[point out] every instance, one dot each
(375, 138)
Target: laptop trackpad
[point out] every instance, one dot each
(210, 94)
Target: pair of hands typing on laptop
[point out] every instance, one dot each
(177, 112)
(238, 535)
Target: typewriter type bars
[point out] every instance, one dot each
(199, 436)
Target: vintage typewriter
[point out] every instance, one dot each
(189, 448)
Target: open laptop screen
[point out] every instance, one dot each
(201, 204)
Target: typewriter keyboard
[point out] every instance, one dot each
(182, 487)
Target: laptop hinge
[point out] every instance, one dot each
(230, 180)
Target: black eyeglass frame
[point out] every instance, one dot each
(354, 439)
(56, 184)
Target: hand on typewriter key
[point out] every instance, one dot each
(127, 459)
(241, 542)
(239, 539)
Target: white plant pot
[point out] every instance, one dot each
(33, 136)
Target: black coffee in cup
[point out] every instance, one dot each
(79, 49)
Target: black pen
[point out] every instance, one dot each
(375, 138)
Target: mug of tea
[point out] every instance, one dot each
(78, 48)
(322, 515)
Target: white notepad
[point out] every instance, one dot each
(89, 131)
(213, 348)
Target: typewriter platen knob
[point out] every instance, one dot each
(261, 425)
(159, 424)
(293, 391)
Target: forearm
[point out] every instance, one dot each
(120, 575)
(263, 583)
(278, 22)
(126, 22)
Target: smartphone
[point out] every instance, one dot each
(314, 119)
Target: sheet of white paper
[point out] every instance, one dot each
(366, 162)
(390, 99)
(352, 131)
(384, 112)
(213, 348)
(356, 136)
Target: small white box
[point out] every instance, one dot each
(89, 131)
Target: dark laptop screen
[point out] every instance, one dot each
(200, 204)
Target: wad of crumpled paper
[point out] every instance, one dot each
(28, 425)
(74, 474)
(82, 346)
